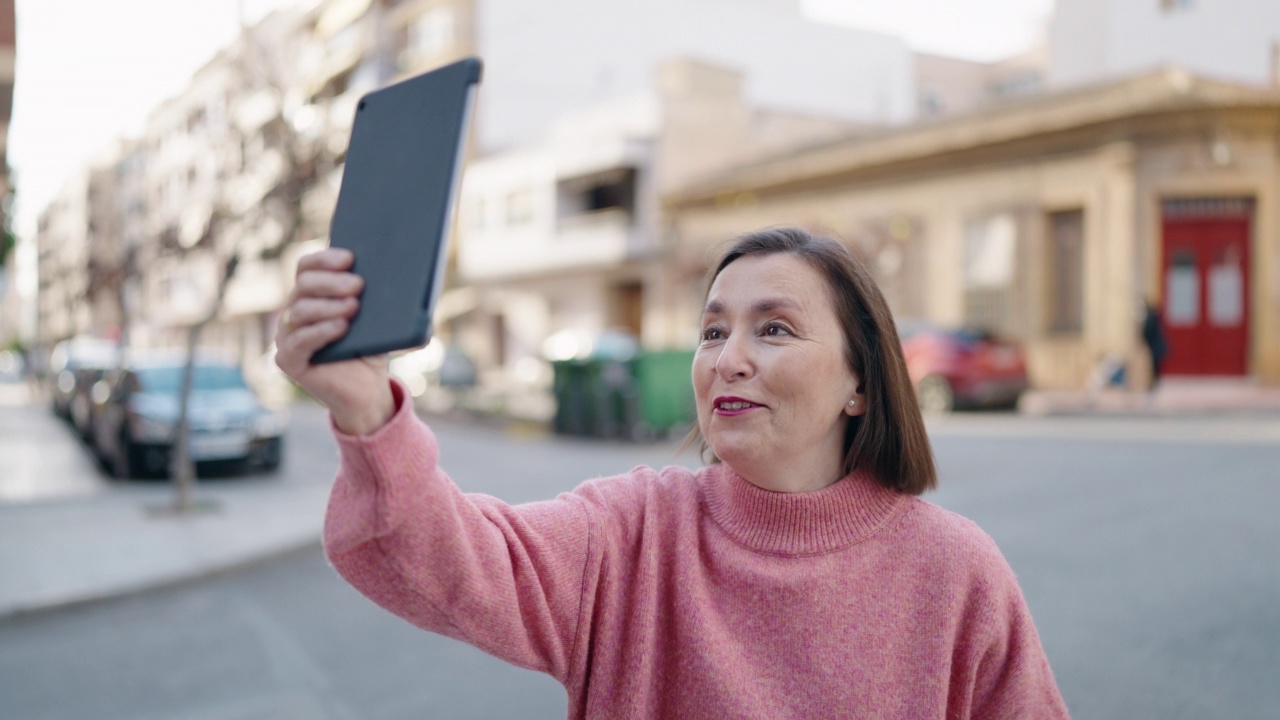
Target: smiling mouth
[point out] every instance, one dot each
(734, 406)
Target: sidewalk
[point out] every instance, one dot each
(98, 540)
(69, 540)
(1174, 396)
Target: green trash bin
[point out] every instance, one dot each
(665, 390)
(575, 408)
(624, 399)
(595, 397)
(617, 401)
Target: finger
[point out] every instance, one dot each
(327, 259)
(296, 347)
(330, 284)
(308, 311)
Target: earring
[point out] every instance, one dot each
(852, 403)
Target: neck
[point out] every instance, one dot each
(794, 477)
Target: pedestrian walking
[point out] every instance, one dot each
(798, 574)
(1153, 338)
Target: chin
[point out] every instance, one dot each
(733, 454)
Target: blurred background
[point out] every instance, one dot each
(1066, 163)
(1072, 206)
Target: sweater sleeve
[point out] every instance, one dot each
(1009, 673)
(506, 579)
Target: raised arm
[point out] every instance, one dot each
(508, 580)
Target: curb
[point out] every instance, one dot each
(159, 583)
(66, 554)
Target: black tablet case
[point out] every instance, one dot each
(395, 205)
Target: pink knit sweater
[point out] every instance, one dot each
(680, 594)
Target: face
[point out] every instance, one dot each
(770, 375)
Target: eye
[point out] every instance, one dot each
(712, 333)
(776, 329)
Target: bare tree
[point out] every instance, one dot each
(260, 71)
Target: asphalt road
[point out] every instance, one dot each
(1147, 550)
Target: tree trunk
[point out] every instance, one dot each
(182, 466)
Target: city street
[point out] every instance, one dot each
(1145, 547)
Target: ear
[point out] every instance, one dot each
(857, 402)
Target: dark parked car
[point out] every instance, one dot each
(953, 368)
(137, 414)
(74, 365)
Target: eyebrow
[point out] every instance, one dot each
(764, 305)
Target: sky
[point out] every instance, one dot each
(89, 71)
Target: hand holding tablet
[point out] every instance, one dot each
(374, 289)
(395, 206)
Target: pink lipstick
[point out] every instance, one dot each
(729, 406)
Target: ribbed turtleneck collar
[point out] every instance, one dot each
(808, 523)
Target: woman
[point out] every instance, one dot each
(797, 576)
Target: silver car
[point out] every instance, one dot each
(137, 415)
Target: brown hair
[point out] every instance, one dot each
(888, 440)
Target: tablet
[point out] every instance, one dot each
(395, 205)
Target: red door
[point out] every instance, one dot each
(1206, 286)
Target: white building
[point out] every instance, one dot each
(62, 248)
(546, 58)
(1095, 40)
(563, 240)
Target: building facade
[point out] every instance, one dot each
(247, 160)
(553, 57)
(1098, 40)
(563, 242)
(1051, 220)
(244, 163)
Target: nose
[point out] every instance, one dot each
(735, 361)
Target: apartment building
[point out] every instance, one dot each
(952, 86)
(246, 164)
(563, 242)
(551, 57)
(1097, 40)
(140, 245)
(116, 209)
(62, 248)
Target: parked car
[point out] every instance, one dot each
(81, 411)
(962, 368)
(66, 363)
(137, 414)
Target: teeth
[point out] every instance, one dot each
(735, 405)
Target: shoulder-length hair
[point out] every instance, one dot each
(888, 440)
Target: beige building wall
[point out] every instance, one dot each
(1116, 172)
(1095, 182)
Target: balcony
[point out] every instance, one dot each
(592, 240)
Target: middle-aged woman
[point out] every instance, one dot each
(796, 576)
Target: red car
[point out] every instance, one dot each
(962, 368)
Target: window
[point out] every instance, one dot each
(519, 208)
(609, 190)
(930, 103)
(1027, 82)
(1065, 273)
(990, 247)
